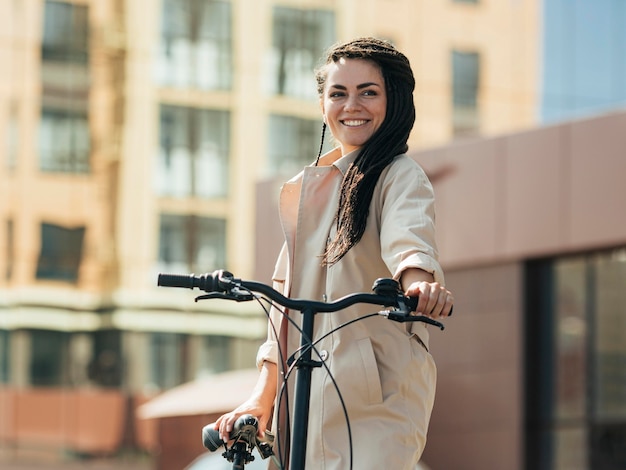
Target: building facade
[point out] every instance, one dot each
(135, 136)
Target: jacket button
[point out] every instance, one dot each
(323, 355)
(324, 298)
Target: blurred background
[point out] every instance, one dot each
(147, 136)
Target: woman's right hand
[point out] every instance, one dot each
(260, 404)
(226, 422)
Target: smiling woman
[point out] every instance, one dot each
(360, 212)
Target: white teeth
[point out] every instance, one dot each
(354, 123)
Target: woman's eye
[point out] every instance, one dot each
(370, 93)
(335, 94)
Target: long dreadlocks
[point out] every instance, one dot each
(388, 141)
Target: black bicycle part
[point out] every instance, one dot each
(244, 435)
(222, 284)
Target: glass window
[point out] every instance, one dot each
(64, 141)
(299, 142)
(10, 247)
(465, 89)
(196, 44)
(583, 64)
(189, 243)
(105, 368)
(61, 252)
(299, 38)
(570, 364)
(4, 356)
(214, 355)
(609, 334)
(167, 359)
(64, 138)
(576, 362)
(608, 360)
(65, 33)
(49, 356)
(193, 157)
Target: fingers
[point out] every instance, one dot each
(434, 299)
(226, 423)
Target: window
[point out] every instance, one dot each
(64, 141)
(465, 89)
(299, 39)
(299, 140)
(189, 243)
(193, 157)
(61, 252)
(196, 44)
(65, 33)
(49, 356)
(576, 362)
(4, 356)
(214, 355)
(10, 249)
(583, 64)
(105, 369)
(167, 359)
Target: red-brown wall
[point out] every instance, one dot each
(83, 421)
(499, 201)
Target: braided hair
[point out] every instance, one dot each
(389, 140)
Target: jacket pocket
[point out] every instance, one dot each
(418, 340)
(370, 371)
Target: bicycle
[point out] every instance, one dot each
(222, 284)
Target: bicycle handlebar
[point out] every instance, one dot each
(222, 284)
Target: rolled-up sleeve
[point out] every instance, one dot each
(267, 352)
(407, 226)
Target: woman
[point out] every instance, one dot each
(363, 211)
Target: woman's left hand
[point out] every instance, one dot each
(435, 300)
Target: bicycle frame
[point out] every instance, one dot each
(221, 284)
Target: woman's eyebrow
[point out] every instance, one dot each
(359, 86)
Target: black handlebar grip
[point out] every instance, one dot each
(245, 428)
(217, 281)
(177, 280)
(211, 438)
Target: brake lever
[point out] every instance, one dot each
(403, 317)
(234, 294)
(403, 313)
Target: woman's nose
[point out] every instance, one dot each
(352, 104)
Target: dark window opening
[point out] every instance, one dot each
(61, 252)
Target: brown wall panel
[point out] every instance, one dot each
(477, 419)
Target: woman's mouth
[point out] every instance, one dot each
(354, 122)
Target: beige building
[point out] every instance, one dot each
(133, 135)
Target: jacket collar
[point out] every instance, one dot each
(334, 157)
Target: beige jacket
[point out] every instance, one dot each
(384, 375)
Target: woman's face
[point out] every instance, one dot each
(354, 102)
